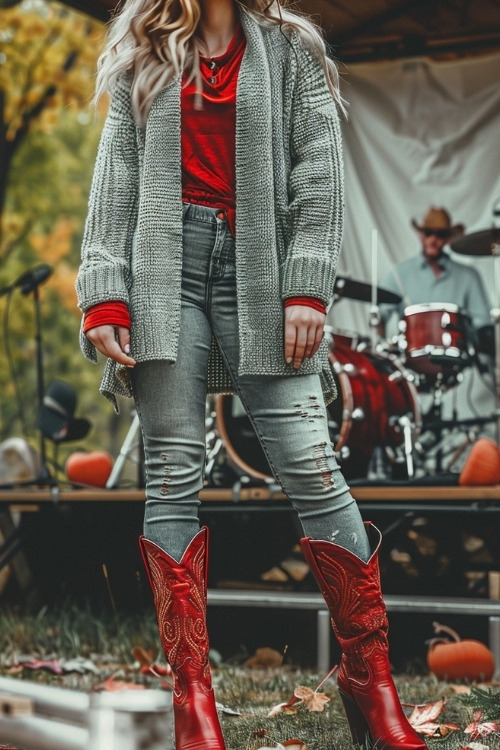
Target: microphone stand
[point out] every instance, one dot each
(44, 476)
(29, 282)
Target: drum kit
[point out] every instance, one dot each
(376, 422)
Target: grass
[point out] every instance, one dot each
(107, 640)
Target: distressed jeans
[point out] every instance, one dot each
(287, 413)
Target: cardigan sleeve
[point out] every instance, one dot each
(316, 197)
(104, 272)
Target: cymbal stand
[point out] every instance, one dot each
(374, 311)
(407, 428)
(436, 425)
(132, 441)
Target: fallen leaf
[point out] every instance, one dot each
(112, 685)
(227, 710)
(81, 665)
(426, 712)
(260, 732)
(53, 666)
(422, 719)
(143, 656)
(157, 670)
(290, 707)
(312, 700)
(478, 729)
(294, 745)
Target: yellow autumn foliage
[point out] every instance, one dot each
(48, 59)
(56, 245)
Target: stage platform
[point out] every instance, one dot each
(236, 515)
(486, 496)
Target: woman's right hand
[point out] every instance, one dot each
(113, 342)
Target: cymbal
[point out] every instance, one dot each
(478, 243)
(359, 290)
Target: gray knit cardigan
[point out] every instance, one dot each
(289, 212)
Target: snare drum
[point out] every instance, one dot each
(434, 338)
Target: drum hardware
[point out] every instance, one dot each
(214, 447)
(361, 291)
(425, 442)
(343, 454)
(405, 423)
(130, 446)
(479, 243)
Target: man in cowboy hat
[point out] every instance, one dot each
(433, 276)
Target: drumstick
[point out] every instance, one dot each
(374, 267)
(374, 315)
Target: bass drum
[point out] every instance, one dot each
(373, 395)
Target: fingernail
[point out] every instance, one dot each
(126, 348)
(288, 360)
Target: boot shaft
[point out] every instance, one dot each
(180, 598)
(351, 589)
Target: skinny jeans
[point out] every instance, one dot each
(288, 413)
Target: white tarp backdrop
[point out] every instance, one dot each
(419, 133)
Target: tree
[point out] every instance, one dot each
(48, 140)
(48, 57)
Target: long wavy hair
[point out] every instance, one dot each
(156, 41)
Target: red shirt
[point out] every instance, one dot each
(208, 132)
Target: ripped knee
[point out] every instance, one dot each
(326, 463)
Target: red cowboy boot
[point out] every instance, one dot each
(351, 589)
(180, 597)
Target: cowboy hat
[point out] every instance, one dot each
(439, 220)
(55, 417)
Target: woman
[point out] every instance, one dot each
(209, 258)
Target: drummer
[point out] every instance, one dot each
(432, 275)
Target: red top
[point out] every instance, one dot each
(207, 132)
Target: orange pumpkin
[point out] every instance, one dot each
(92, 469)
(459, 659)
(482, 466)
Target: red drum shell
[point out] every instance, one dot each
(435, 338)
(376, 395)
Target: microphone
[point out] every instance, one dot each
(29, 280)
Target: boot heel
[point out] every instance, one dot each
(360, 732)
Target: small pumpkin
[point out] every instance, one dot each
(92, 469)
(482, 466)
(459, 659)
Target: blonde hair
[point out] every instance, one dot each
(156, 41)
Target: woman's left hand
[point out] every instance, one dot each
(303, 333)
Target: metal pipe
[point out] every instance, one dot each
(68, 705)
(324, 630)
(494, 638)
(123, 720)
(130, 720)
(43, 734)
